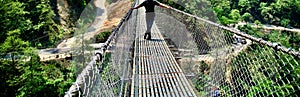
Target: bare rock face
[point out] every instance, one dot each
(62, 12)
(115, 12)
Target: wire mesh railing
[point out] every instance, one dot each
(220, 61)
(108, 70)
(115, 71)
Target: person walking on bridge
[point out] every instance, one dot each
(149, 6)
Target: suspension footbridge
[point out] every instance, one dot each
(187, 56)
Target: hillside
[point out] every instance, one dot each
(113, 14)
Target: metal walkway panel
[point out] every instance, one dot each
(155, 71)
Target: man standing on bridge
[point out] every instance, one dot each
(149, 5)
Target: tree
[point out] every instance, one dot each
(266, 13)
(224, 20)
(257, 23)
(12, 17)
(44, 30)
(13, 44)
(14, 47)
(235, 15)
(222, 8)
(285, 22)
(30, 81)
(23, 24)
(246, 17)
(7, 72)
(39, 79)
(244, 5)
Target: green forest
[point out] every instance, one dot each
(283, 13)
(28, 25)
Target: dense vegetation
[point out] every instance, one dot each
(102, 37)
(27, 25)
(230, 12)
(276, 12)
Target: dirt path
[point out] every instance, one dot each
(115, 12)
(270, 27)
(105, 20)
(101, 15)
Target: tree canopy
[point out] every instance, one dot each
(26, 26)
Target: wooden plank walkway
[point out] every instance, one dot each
(155, 71)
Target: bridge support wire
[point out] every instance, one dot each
(226, 61)
(102, 77)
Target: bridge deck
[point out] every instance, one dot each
(155, 71)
